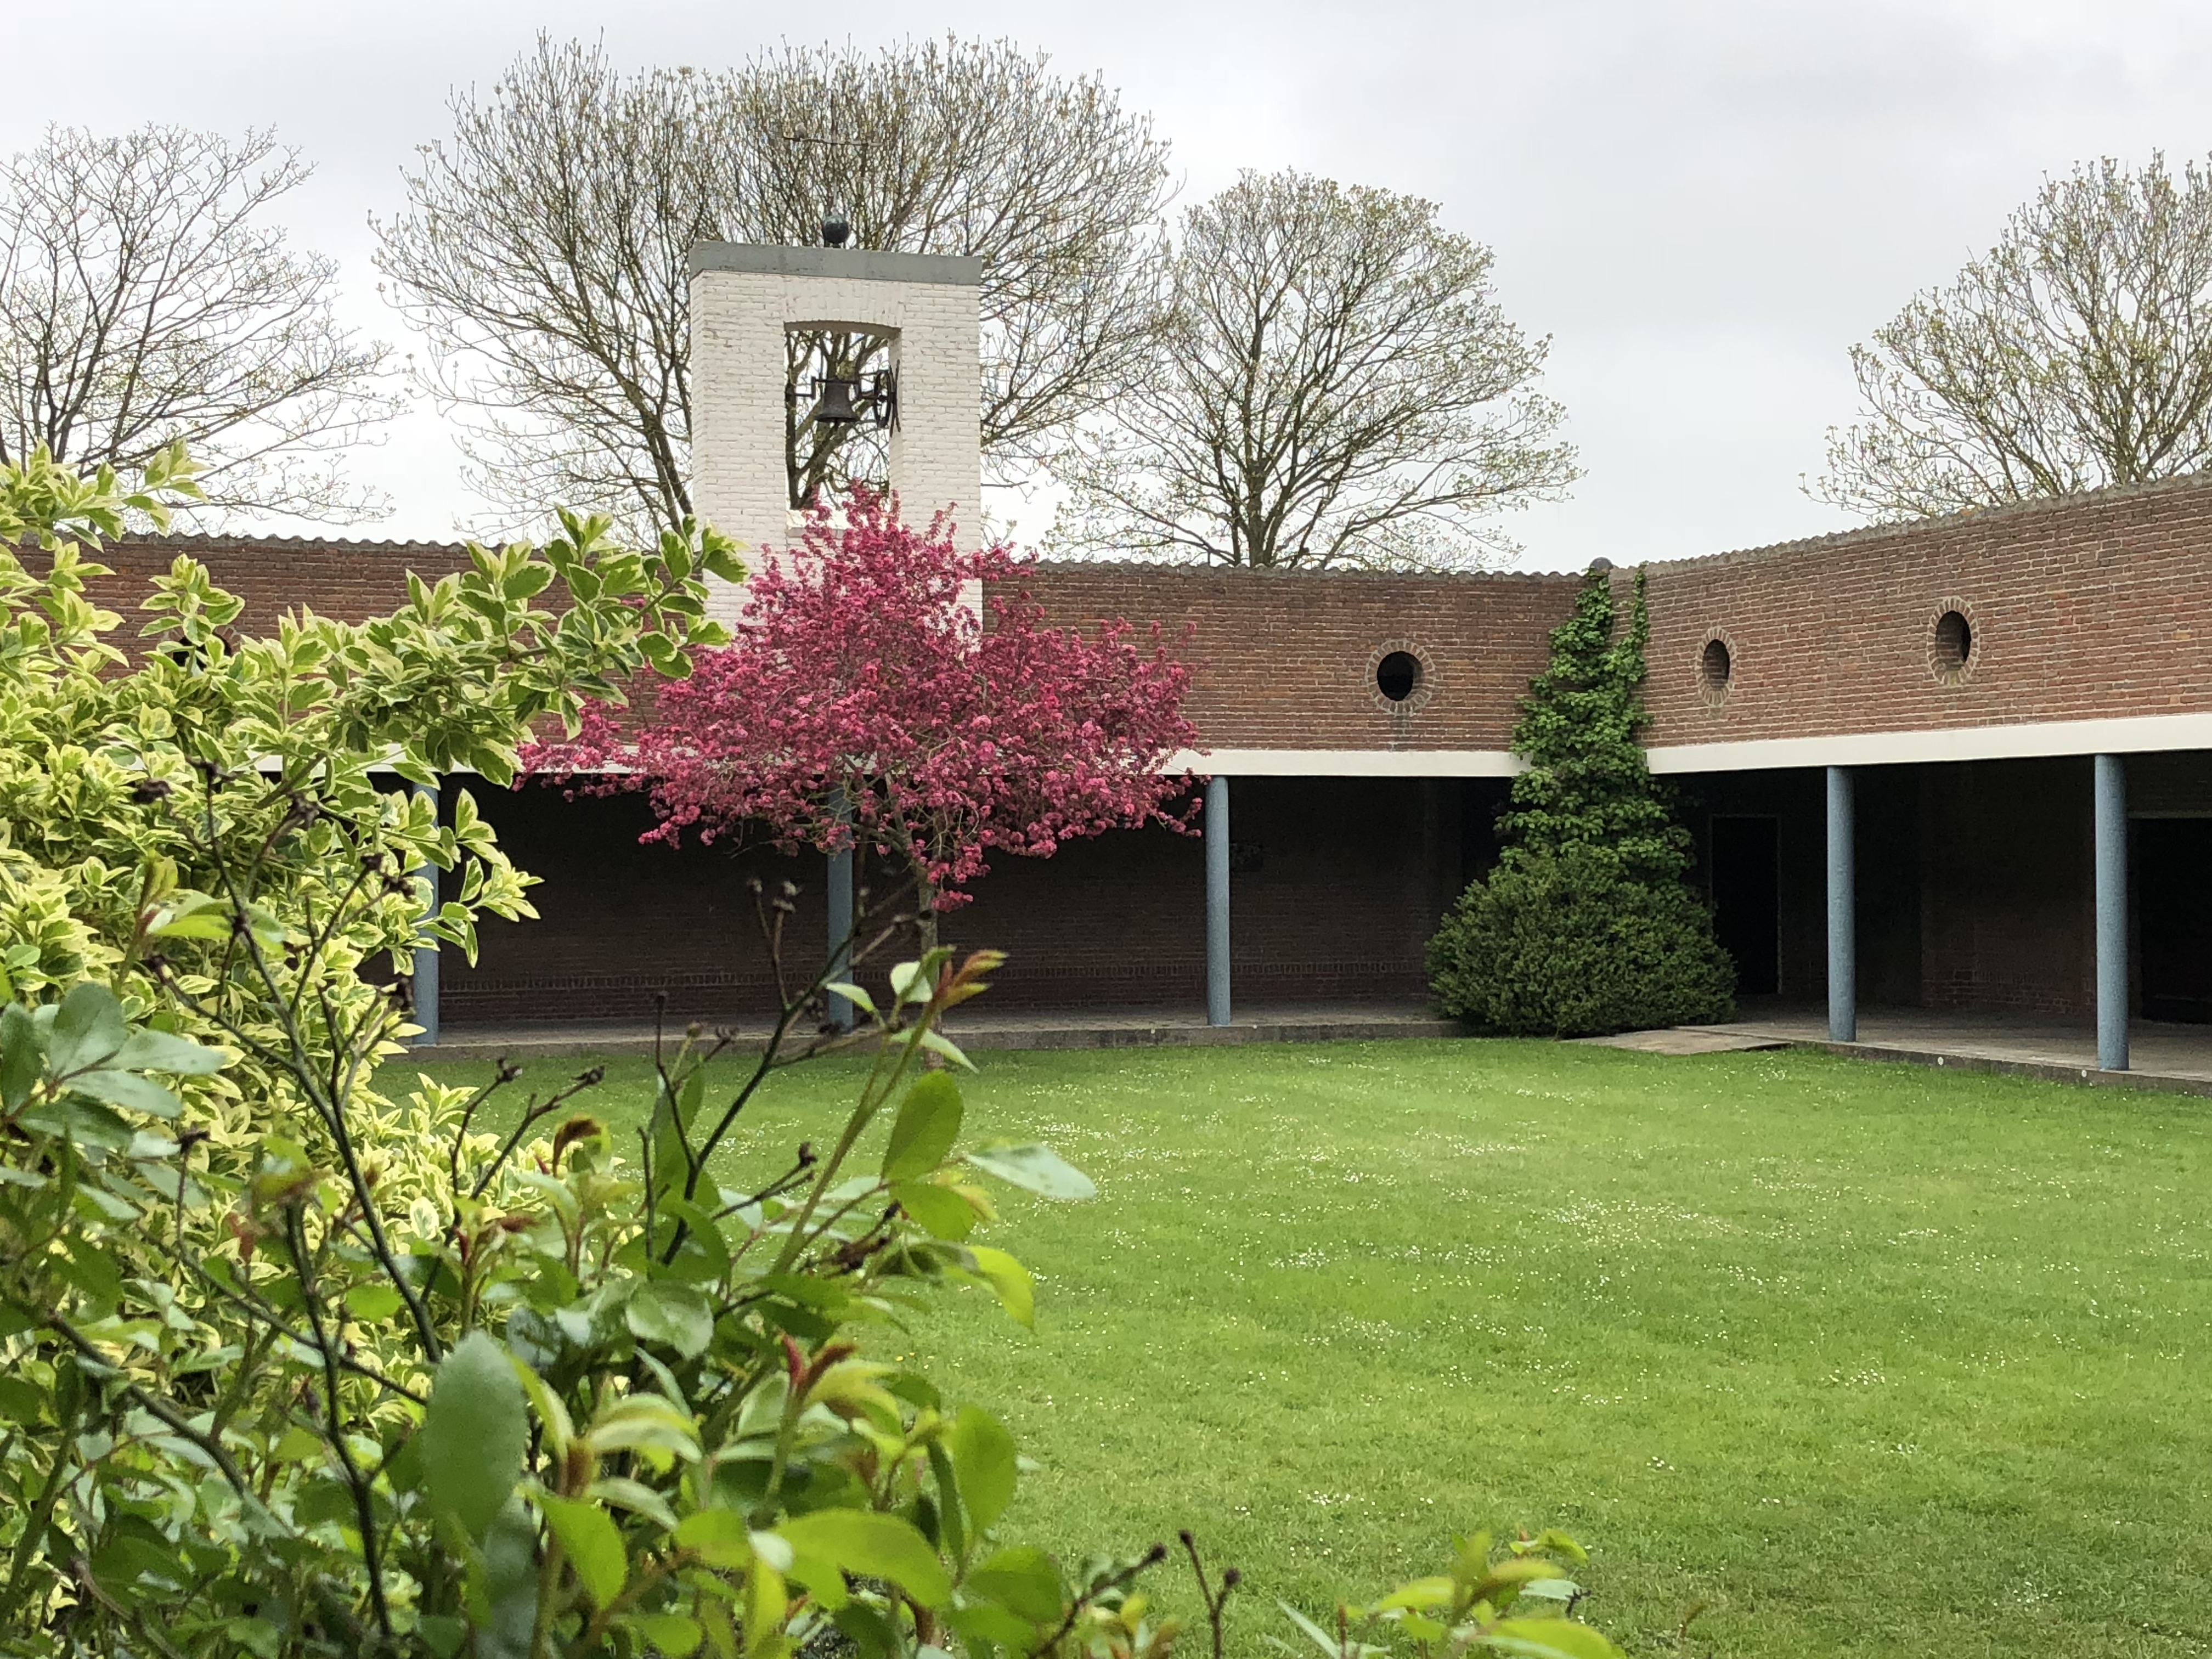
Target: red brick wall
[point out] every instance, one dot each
(2099, 605)
(348, 581)
(1286, 658)
(1281, 660)
(2007, 912)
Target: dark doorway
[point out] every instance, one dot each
(2173, 910)
(1746, 864)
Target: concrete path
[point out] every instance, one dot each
(2163, 1056)
(1686, 1040)
(1055, 1028)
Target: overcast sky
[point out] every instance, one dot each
(1703, 202)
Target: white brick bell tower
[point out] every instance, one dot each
(745, 300)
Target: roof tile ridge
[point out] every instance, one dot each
(1892, 529)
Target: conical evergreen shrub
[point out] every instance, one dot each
(1586, 926)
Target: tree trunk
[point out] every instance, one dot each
(925, 913)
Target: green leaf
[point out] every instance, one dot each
(160, 1051)
(21, 1402)
(140, 1094)
(820, 1578)
(675, 1315)
(622, 1493)
(875, 1545)
(503, 1595)
(942, 1212)
(474, 1432)
(928, 1123)
(1036, 1169)
(88, 1028)
(674, 1634)
(593, 1544)
(22, 1063)
(983, 1461)
(938, 1043)
(1547, 1638)
(201, 924)
(1009, 1280)
(719, 1538)
(647, 1424)
(852, 994)
(1436, 1592)
(871, 1634)
(989, 1627)
(1320, 1637)
(1023, 1580)
(85, 1123)
(372, 1302)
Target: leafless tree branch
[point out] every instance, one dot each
(144, 298)
(542, 251)
(2077, 353)
(1330, 383)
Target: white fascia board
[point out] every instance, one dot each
(2122, 735)
(2025, 740)
(1346, 762)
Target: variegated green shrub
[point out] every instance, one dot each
(292, 1364)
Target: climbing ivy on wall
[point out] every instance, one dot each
(1580, 731)
(1587, 924)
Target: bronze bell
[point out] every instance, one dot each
(836, 407)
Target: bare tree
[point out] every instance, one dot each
(2077, 353)
(1332, 383)
(543, 248)
(145, 299)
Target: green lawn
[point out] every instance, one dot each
(1867, 1359)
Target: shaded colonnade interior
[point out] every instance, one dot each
(1975, 884)
(1336, 885)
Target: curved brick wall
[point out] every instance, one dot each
(2096, 606)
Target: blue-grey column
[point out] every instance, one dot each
(426, 955)
(1216, 902)
(1843, 912)
(841, 926)
(2110, 786)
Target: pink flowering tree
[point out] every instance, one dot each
(865, 703)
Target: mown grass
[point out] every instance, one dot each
(1860, 1359)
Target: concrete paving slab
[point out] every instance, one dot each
(1020, 1028)
(1685, 1040)
(2170, 1057)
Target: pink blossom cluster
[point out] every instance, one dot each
(864, 703)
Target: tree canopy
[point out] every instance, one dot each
(866, 702)
(1331, 382)
(542, 249)
(1587, 784)
(147, 298)
(2077, 353)
(1586, 925)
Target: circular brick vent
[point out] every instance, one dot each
(1398, 676)
(1951, 642)
(1714, 668)
(1401, 677)
(1954, 641)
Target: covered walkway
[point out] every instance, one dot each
(2160, 1055)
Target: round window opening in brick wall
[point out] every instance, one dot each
(1951, 648)
(1398, 676)
(1714, 668)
